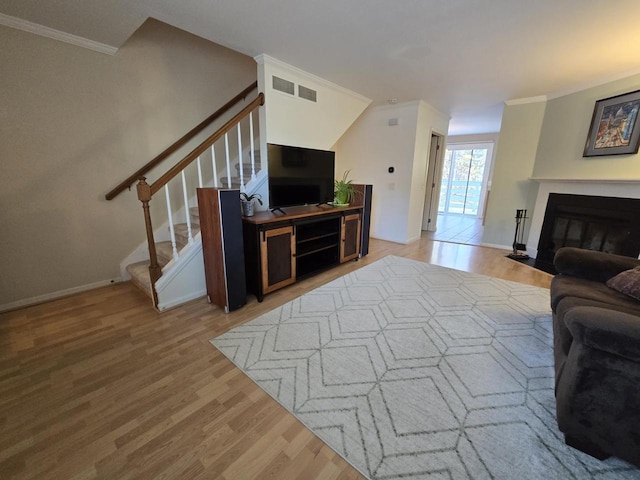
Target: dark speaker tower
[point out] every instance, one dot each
(222, 247)
(367, 191)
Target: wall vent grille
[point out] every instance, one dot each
(307, 93)
(283, 85)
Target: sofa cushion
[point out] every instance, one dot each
(565, 286)
(591, 265)
(627, 282)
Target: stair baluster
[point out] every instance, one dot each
(199, 173)
(172, 230)
(215, 167)
(252, 153)
(226, 151)
(240, 159)
(186, 207)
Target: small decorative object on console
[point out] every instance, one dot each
(247, 203)
(344, 191)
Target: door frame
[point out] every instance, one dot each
(489, 145)
(437, 146)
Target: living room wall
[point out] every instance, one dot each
(75, 123)
(545, 139)
(514, 160)
(372, 145)
(564, 133)
(292, 120)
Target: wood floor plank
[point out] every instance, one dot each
(100, 385)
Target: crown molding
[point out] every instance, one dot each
(52, 33)
(524, 101)
(265, 59)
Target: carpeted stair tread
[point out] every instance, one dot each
(139, 272)
(194, 213)
(164, 252)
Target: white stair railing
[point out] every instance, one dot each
(146, 191)
(252, 151)
(240, 159)
(226, 151)
(186, 207)
(199, 172)
(172, 231)
(214, 166)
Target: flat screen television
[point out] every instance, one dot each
(299, 176)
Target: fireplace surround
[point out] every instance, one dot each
(607, 224)
(627, 188)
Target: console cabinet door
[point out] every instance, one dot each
(277, 256)
(350, 235)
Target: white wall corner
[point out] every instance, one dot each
(524, 101)
(263, 59)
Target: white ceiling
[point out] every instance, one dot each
(464, 57)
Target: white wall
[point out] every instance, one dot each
(74, 124)
(511, 187)
(429, 121)
(564, 133)
(291, 120)
(545, 140)
(371, 146)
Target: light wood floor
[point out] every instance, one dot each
(99, 385)
(457, 229)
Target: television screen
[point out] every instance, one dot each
(300, 176)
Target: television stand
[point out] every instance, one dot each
(278, 210)
(281, 249)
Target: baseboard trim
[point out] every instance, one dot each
(47, 297)
(495, 245)
(181, 300)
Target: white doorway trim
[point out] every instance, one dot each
(434, 176)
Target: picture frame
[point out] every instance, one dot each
(615, 126)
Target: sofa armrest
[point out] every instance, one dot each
(611, 331)
(590, 264)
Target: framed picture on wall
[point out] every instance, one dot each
(615, 126)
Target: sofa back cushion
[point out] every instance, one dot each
(627, 282)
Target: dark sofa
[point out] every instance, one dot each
(597, 355)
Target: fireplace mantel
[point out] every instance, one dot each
(584, 180)
(609, 187)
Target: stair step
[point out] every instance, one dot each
(246, 168)
(235, 182)
(164, 252)
(182, 233)
(140, 276)
(195, 215)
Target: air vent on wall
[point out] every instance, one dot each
(283, 85)
(306, 93)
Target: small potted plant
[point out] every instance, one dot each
(343, 191)
(247, 203)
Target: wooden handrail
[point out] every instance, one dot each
(131, 179)
(199, 150)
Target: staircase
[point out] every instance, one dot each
(182, 270)
(169, 266)
(139, 271)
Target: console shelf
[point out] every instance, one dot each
(280, 248)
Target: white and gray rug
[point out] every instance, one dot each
(411, 370)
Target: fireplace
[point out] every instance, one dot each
(608, 224)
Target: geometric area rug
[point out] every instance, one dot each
(414, 371)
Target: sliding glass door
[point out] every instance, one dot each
(463, 186)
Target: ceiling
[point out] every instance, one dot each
(464, 57)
